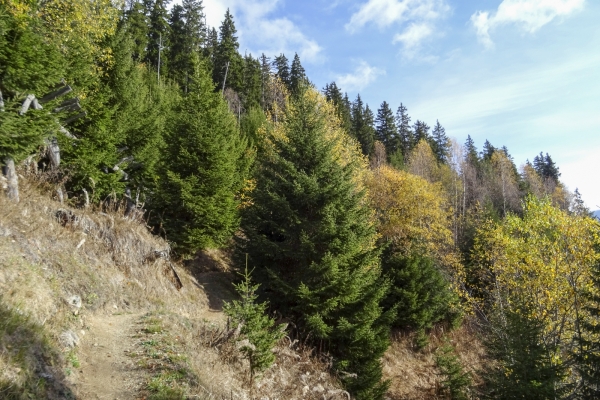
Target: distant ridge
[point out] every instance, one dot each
(596, 214)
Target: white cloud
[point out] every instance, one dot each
(420, 15)
(531, 15)
(259, 31)
(362, 76)
(413, 35)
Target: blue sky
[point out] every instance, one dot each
(520, 73)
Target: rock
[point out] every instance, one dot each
(75, 303)
(69, 339)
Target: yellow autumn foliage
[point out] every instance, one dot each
(539, 264)
(413, 214)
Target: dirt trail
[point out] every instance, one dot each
(107, 372)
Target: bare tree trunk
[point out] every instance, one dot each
(12, 190)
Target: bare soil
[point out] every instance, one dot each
(107, 371)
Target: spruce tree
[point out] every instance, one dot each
(421, 130)
(488, 151)
(256, 327)
(137, 22)
(362, 125)
(471, 154)
(205, 170)
(310, 235)
(282, 70)
(342, 105)
(297, 75)
(158, 34)
(228, 63)
(419, 290)
(251, 91)
(385, 128)
(440, 143)
(587, 357)
(405, 132)
(524, 367)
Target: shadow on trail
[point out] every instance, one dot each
(211, 273)
(32, 365)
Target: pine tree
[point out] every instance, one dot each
(471, 154)
(210, 49)
(488, 151)
(524, 369)
(265, 77)
(251, 91)
(137, 22)
(342, 105)
(29, 64)
(405, 132)
(297, 75)
(227, 60)
(588, 354)
(257, 328)
(440, 143)
(282, 70)
(362, 125)
(420, 292)
(206, 168)
(311, 237)
(158, 34)
(421, 130)
(385, 128)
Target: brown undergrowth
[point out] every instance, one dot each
(59, 265)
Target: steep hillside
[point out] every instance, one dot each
(90, 309)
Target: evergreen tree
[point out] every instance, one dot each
(137, 22)
(282, 70)
(311, 237)
(421, 130)
(206, 168)
(362, 125)
(227, 60)
(385, 128)
(488, 151)
(420, 292)
(342, 105)
(440, 143)
(29, 63)
(524, 369)
(588, 355)
(158, 34)
(471, 154)
(545, 167)
(210, 49)
(297, 75)
(256, 326)
(251, 83)
(265, 76)
(405, 132)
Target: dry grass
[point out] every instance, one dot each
(414, 374)
(50, 252)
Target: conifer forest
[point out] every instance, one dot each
(351, 222)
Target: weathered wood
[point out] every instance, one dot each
(36, 104)
(74, 118)
(130, 207)
(68, 106)
(1, 102)
(60, 195)
(86, 197)
(26, 104)
(53, 153)
(68, 134)
(56, 94)
(12, 181)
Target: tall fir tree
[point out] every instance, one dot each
(405, 133)
(385, 129)
(471, 154)
(205, 170)
(440, 143)
(362, 125)
(282, 69)
(251, 92)
(228, 63)
(487, 151)
(158, 34)
(587, 356)
(342, 105)
(137, 21)
(265, 77)
(310, 236)
(297, 75)
(421, 130)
